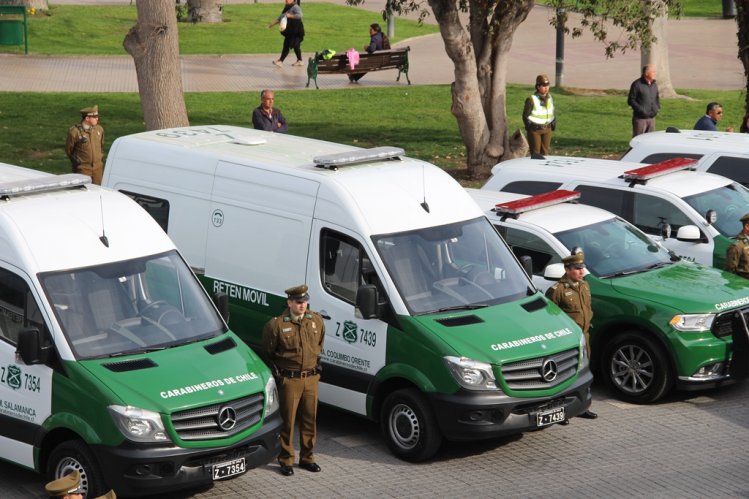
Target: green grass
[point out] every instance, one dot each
(100, 30)
(692, 8)
(33, 125)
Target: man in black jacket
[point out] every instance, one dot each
(643, 98)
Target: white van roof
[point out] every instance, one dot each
(689, 141)
(554, 218)
(408, 182)
(567, 168)
(46, 227)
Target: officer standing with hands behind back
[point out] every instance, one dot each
(572, 295)
(292, 344)
(538, 118)
(84, 145)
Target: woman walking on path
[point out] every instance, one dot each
(293, 33)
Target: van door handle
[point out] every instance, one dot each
(324, 315)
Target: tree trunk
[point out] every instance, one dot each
(657, 52)
(479, 54)
(742, 19)
(29, 4)
(204, 11)
(154, 45)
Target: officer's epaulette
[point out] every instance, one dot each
(555, 286)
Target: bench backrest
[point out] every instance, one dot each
(382, 59)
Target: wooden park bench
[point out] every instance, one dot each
(376, 61)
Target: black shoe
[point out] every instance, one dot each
(313, 467)
(287, 470)
(565, 422)
(588, 415)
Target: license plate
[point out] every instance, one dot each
(550, 417)
(228, 469)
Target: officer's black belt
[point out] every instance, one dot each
(288, 373)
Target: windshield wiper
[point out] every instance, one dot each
(473, 306)
(637, 271)
(659, 265)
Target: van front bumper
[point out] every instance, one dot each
(467, 415)
(133, 470)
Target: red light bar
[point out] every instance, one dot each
(658, 169)
(537, 201)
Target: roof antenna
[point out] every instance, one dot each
(424, 190)
(103, 237)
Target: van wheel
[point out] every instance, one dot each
(409, 426)
(636, 368)
(74, 455)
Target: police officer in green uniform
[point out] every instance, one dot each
(737, 255)
(67, 487)
(538, 117)
(85, 145)
(572, 295)
(292, 344)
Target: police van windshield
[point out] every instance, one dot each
(730, 203)
(452, 267)
(130, 306)
(615, 247)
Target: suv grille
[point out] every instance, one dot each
(538, 373)
(725, 322)
(215, 421)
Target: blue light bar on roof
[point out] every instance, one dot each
(333, 161)
(42, 184)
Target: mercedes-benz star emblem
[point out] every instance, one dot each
(227, 418)
(549, 371)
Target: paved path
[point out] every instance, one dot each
(702, 55)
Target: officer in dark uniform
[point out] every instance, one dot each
(737, 255)
(538, 118)
(67, 487)
(572, 294)
(292, 344)
(85, 145)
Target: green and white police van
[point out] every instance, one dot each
(113, 360)
(658, 321)
(695, 214)
(432, 327)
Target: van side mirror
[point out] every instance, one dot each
(30, 348)
(554, 272)
(689, 234)
(366, 301)
(221, 300)
(527, 263)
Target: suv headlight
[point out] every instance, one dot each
(472, 374)
(271, 396)
(692, 322)
(138, 425)
(583, 360)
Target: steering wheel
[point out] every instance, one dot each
(153, 304)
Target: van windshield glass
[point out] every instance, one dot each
(730, 202)
(451, 267)
(614, 247)
(130, 306)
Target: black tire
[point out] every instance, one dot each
(74, 455)
(636, 368)
(409, 426)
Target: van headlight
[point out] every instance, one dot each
(138, 425)
(692, 322)
(471, 374)
(271, 396)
